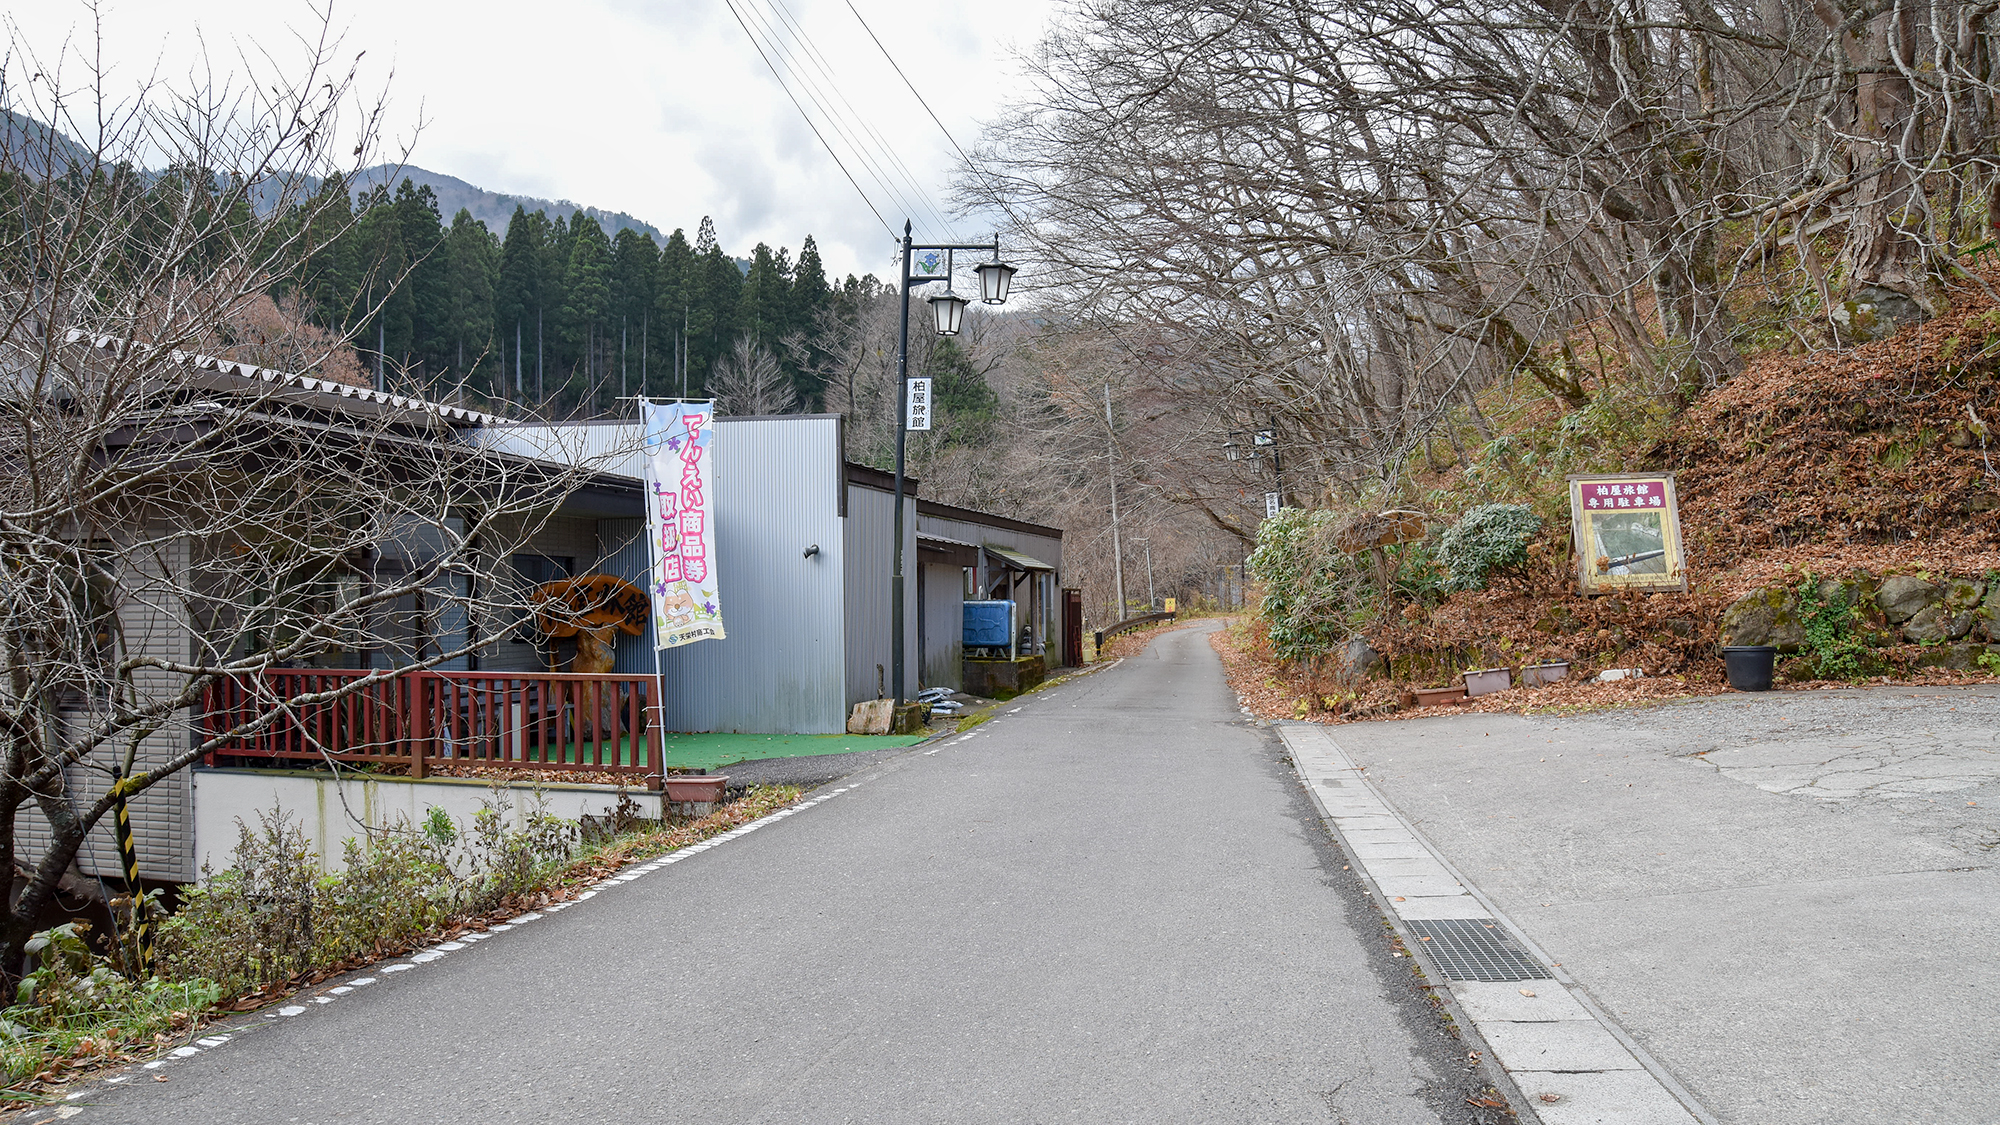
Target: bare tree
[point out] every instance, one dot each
(1340, 221)
(173, 519)
(749, 381)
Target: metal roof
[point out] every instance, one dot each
(232, 375)
(1018, 561)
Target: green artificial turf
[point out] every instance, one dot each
(708, 751)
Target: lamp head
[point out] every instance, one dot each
(949, 311)
(995, 279)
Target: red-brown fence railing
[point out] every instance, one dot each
(422, 720)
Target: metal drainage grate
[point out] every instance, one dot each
(1474, 949)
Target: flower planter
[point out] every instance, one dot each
(696, 787)
(1749, 666)
(1438, 696)
(1486, 681)
(1535, 675)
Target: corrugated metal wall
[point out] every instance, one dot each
(870, 564)
(779, 671)
(162, 817)
(944, 626)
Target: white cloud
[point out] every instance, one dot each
(661, 110)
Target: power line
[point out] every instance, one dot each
(883, 145)
(809, 121)
(838, 122)
(819, 59)
(906, 81)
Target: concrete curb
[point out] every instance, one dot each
(1569, 1062)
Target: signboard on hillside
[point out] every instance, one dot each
(1627, 532)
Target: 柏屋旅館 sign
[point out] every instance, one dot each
(1627, 532)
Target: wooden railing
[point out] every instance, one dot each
(423, 720)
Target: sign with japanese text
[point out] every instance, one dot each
(1271, 504)
(918, 416)
(680, 524)
(1627, 532)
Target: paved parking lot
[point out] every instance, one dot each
(1789, 899)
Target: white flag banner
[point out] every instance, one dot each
(680, 488)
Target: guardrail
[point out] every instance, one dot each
(1131, 623)
(420, 720)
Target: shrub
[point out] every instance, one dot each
(73, 1001)
(1487, 539)
(274, 913)
(1829, 626)
(1315, 595)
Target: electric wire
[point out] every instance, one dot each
(1006, 207)
(818, 58)
(898, 67)
(740, 22)
(836, 121)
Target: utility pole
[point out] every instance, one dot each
(1111, 459)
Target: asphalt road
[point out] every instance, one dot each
(1112, 903)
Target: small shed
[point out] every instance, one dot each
(995, 557)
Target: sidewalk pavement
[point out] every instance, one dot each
(1758, 909)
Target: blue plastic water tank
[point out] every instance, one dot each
(989, 623)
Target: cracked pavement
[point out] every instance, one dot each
(1789, 899)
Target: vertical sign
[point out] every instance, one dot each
(919, 417)
(680, 493)
(1270, 504)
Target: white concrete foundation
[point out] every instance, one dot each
(332, 811)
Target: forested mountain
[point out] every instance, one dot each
(491, 207)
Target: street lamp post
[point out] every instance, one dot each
(947, 310)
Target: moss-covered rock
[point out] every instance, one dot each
(1961, 594)
(1769, 616)
(1936, 624)
(1903, 596)
(1986, 625)
(1962, 657)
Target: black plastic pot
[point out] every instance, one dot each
(1749, 666)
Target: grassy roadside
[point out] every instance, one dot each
(86, 1018)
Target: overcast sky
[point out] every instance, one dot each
(663, 110)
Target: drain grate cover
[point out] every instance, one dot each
(1475, 949)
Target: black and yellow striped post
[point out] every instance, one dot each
(128, 854)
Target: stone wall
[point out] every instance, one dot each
(1916, 620)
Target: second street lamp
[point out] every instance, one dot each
(921, 266)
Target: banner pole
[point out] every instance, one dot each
(659, 739)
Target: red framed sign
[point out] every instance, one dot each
(1627, 532)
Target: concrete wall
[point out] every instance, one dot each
(331, 811)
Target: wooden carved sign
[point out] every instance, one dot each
(593, 609)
